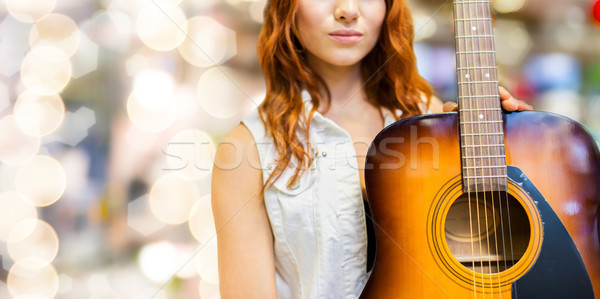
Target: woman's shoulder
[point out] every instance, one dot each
(236, 149)
(237, 155)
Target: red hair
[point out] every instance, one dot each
(389, 72)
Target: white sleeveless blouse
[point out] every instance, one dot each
(320, 237)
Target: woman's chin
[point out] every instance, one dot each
(339, 58)
(345, 60)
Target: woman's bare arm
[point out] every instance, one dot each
(244, 237)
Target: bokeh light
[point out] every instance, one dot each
(111, 29)
(56, 30)
(14, 44)
(149, 120)
(32, 243)
(209, 290)
(207, 263)
(137, 63)
(191, 153)
(220, 93)
(16, 147)
(46, 70)
(154, 88)
(425, 26)
(4, 99)
(85, 59)
(38, 115)
(172, 198)
(201, 223)
(29, 11)
(513, 42)
(185, 262)
(42, 180)
(205, 4)
(38, 282)
(256, 10)
(151, 106)
(14, 208)
(508, 6)
(163, 27)
(140, 217)
(158, 261)
(209, 42)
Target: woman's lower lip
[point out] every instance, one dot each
(346, 39)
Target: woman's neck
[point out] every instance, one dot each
(344, 83)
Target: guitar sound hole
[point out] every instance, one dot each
(487, 232)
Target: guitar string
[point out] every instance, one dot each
(503, 161)
(458, 14)
(475, 150)
(497, 113)
(486, 9)
(508, 220)
(469, 87)
(502, 180)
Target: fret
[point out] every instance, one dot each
(476, 68)
(473, 19)
(483, 96)
(479, 117)
(478, 82)
(474, 36)
(484, 177)
(481, 134)
(497, 110)
(482, 173)
(482, 145)
(482, 122)
(473, 138)
(479, 150)
(475, 52)
(473, 110)
(484, 167)
(467, 2)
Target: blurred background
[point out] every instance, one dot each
(111, 111)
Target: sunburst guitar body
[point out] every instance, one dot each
(481, 203)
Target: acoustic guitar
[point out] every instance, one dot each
(483, 203)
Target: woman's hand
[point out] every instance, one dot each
(509, 103)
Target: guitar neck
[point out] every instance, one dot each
(480, 118)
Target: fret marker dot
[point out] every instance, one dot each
(474, 28)
(467, 76)
(487, 75)
(481, 116)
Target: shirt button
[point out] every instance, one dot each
(324, 154)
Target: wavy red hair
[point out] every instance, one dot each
(389, 72)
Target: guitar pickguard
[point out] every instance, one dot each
(559, 271)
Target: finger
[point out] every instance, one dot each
(450, 106)
(510, 104)
(504, 94)
(524, 106)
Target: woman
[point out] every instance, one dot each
(287, 189)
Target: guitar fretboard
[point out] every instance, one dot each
(480, 118)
